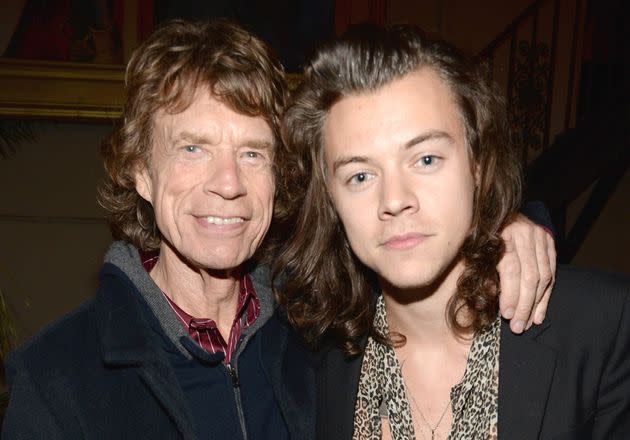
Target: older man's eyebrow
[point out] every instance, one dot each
(258, 144)
(429, 136)
(195, 138)
(207, 139)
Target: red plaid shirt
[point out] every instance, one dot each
(204, 330)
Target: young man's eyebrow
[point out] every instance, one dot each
(345, 160)
(429, 136)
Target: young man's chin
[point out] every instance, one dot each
(423, 277)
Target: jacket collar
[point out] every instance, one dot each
(127, 341)
(526, 369)
(126, 338)
(125, 324)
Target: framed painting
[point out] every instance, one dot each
(64, 59)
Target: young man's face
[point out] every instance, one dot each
(210, 182)
(400, 177)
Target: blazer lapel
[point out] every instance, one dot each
(128, 342)
(526, 369)
(337, 386)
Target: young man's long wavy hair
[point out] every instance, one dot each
(328, 294)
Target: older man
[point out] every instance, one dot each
(182, 339)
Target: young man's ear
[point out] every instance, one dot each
(143, 181)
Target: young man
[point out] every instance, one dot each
(412, 176)
(182, 339)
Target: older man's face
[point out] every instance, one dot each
(210, 182)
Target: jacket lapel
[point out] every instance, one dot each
(337, 377)
(127, 341)
(337, 386)
(526, 369)
(160, 380)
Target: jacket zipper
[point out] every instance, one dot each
(232, 371)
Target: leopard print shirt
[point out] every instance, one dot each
(382, 390)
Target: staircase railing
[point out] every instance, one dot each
(527, 48)
(561, 164)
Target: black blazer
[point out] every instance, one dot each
(568, 378)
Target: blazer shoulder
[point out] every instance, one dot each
(589, 299)
(614, 280)
(576, 283)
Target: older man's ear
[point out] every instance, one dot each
(143, 182)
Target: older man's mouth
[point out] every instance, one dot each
(223, 220)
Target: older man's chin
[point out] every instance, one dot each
(217, 262)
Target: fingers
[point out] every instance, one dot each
(525, 245)
(527, 273)
(518, 273)
(544, 269)
(546, 255)
(509, 269)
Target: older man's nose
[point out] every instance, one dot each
(225, 178)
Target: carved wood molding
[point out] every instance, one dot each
(60, 90)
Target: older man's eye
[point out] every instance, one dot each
(191, 148)
(254, 157)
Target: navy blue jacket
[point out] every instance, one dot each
(101, 373)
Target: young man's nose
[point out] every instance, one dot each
(396, 196)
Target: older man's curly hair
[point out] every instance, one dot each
(163, 74)
(327, 292)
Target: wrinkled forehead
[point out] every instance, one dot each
(205, 117)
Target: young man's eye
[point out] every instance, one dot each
(359, 178)
(428, 160)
